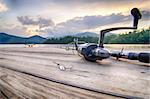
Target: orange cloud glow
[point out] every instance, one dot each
(3, 7)
(31, 31)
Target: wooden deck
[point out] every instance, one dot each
(35, 73)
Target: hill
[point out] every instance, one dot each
(86, 34)
(91, 34)
(11, 39)
(136, 37)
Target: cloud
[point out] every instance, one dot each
(90, 22)
(77, 24)
(87, 3)
(41, 22)
(146, 15)
(3, 7)
(19, 31)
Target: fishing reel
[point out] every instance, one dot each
(93, 52)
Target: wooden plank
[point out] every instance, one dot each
(15, 85)
(110, 76)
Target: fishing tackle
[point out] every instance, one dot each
(93, 52)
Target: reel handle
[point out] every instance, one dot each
(136, 14)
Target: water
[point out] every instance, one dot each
(129, 47)
(111, 47)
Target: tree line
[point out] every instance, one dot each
(135, 37)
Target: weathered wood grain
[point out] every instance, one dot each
(17, 85)
(110, 76)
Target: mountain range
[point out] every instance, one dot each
(91, 34)
(11, 39)
(86, 34)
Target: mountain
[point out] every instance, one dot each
(11, 39)
(6, 38)
(91, 34)
(36, 39)
(86, 34)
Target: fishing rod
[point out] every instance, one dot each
(93, 52)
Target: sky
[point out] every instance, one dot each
(53, 18)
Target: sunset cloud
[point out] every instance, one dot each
(78, 24)
(63, 17)
(88, 22)
(41, 22)
(3, 7)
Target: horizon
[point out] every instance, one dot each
(72, 34)
(50, 18)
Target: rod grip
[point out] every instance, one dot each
(133, 56)
(144, 57)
